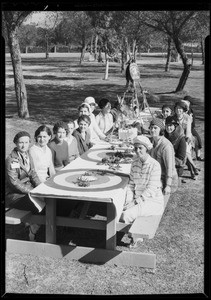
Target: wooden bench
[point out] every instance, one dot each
(146, 227)
(15, 216)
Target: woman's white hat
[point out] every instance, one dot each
(143, 140)
(90, 100)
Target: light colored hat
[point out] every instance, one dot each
(87, 105)
(143, 140)
(90, 100)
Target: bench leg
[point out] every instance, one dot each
(50, 221)
(111, 227)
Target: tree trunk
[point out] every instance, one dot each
(167, 67)
(83, 50)
(95, 47)
(20, 88)
(47, 49)
(202, 51)
(107, 66)
(91, 44)
(186, 64)
(134, 49)
(122, 60)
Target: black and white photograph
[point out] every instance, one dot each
(104, 158)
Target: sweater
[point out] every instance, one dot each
(145, 181)
(83, 145)
(163, 152)
(60, 154)
(72, 147)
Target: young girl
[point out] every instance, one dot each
(59, 146)
(82, 135)
(41, 153)
(71, 140)
(21, 178)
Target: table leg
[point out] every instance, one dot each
(111, 227)
(50, 233)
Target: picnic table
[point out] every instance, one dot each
(108, 186)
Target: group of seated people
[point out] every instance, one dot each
(155, 171)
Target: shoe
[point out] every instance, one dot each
(33, 231)
(193, 177)
(197, 171)
(199, 158)
(183, 181)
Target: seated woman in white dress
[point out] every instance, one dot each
(71, 140)
(144, 194)
(41, 153)
(105, 119)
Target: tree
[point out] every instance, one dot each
(12, 21)
(173, 24)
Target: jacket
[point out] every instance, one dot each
(19, 181)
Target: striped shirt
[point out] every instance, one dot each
(145, 180)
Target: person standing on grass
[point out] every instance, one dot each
(198, 142)
(82, 135)
(59, 146)
(71, 140)
(144, 193)
(41, 153)
(175, 134)
(21, 178)
(163, 152)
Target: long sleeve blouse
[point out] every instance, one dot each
(145, 181)
(43, 162)
(105, 122)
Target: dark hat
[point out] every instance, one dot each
(172, 120)
(19, 135)
(158, 122)
(181, 104)
(102, 103)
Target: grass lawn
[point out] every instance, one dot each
(55, 88)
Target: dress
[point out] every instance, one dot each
(105, 122)
(177, 139)
(72, 147)
(43, 163)
(83, 145)
(20, 180)
(60, 154)
(163, 152)
(145, 181)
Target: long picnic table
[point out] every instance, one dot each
(108, 186)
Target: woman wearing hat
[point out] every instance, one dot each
(144, 195)
(97, 133)
(21, 177)
(163, 152)
(175, 134)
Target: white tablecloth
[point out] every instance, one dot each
(116, 191)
